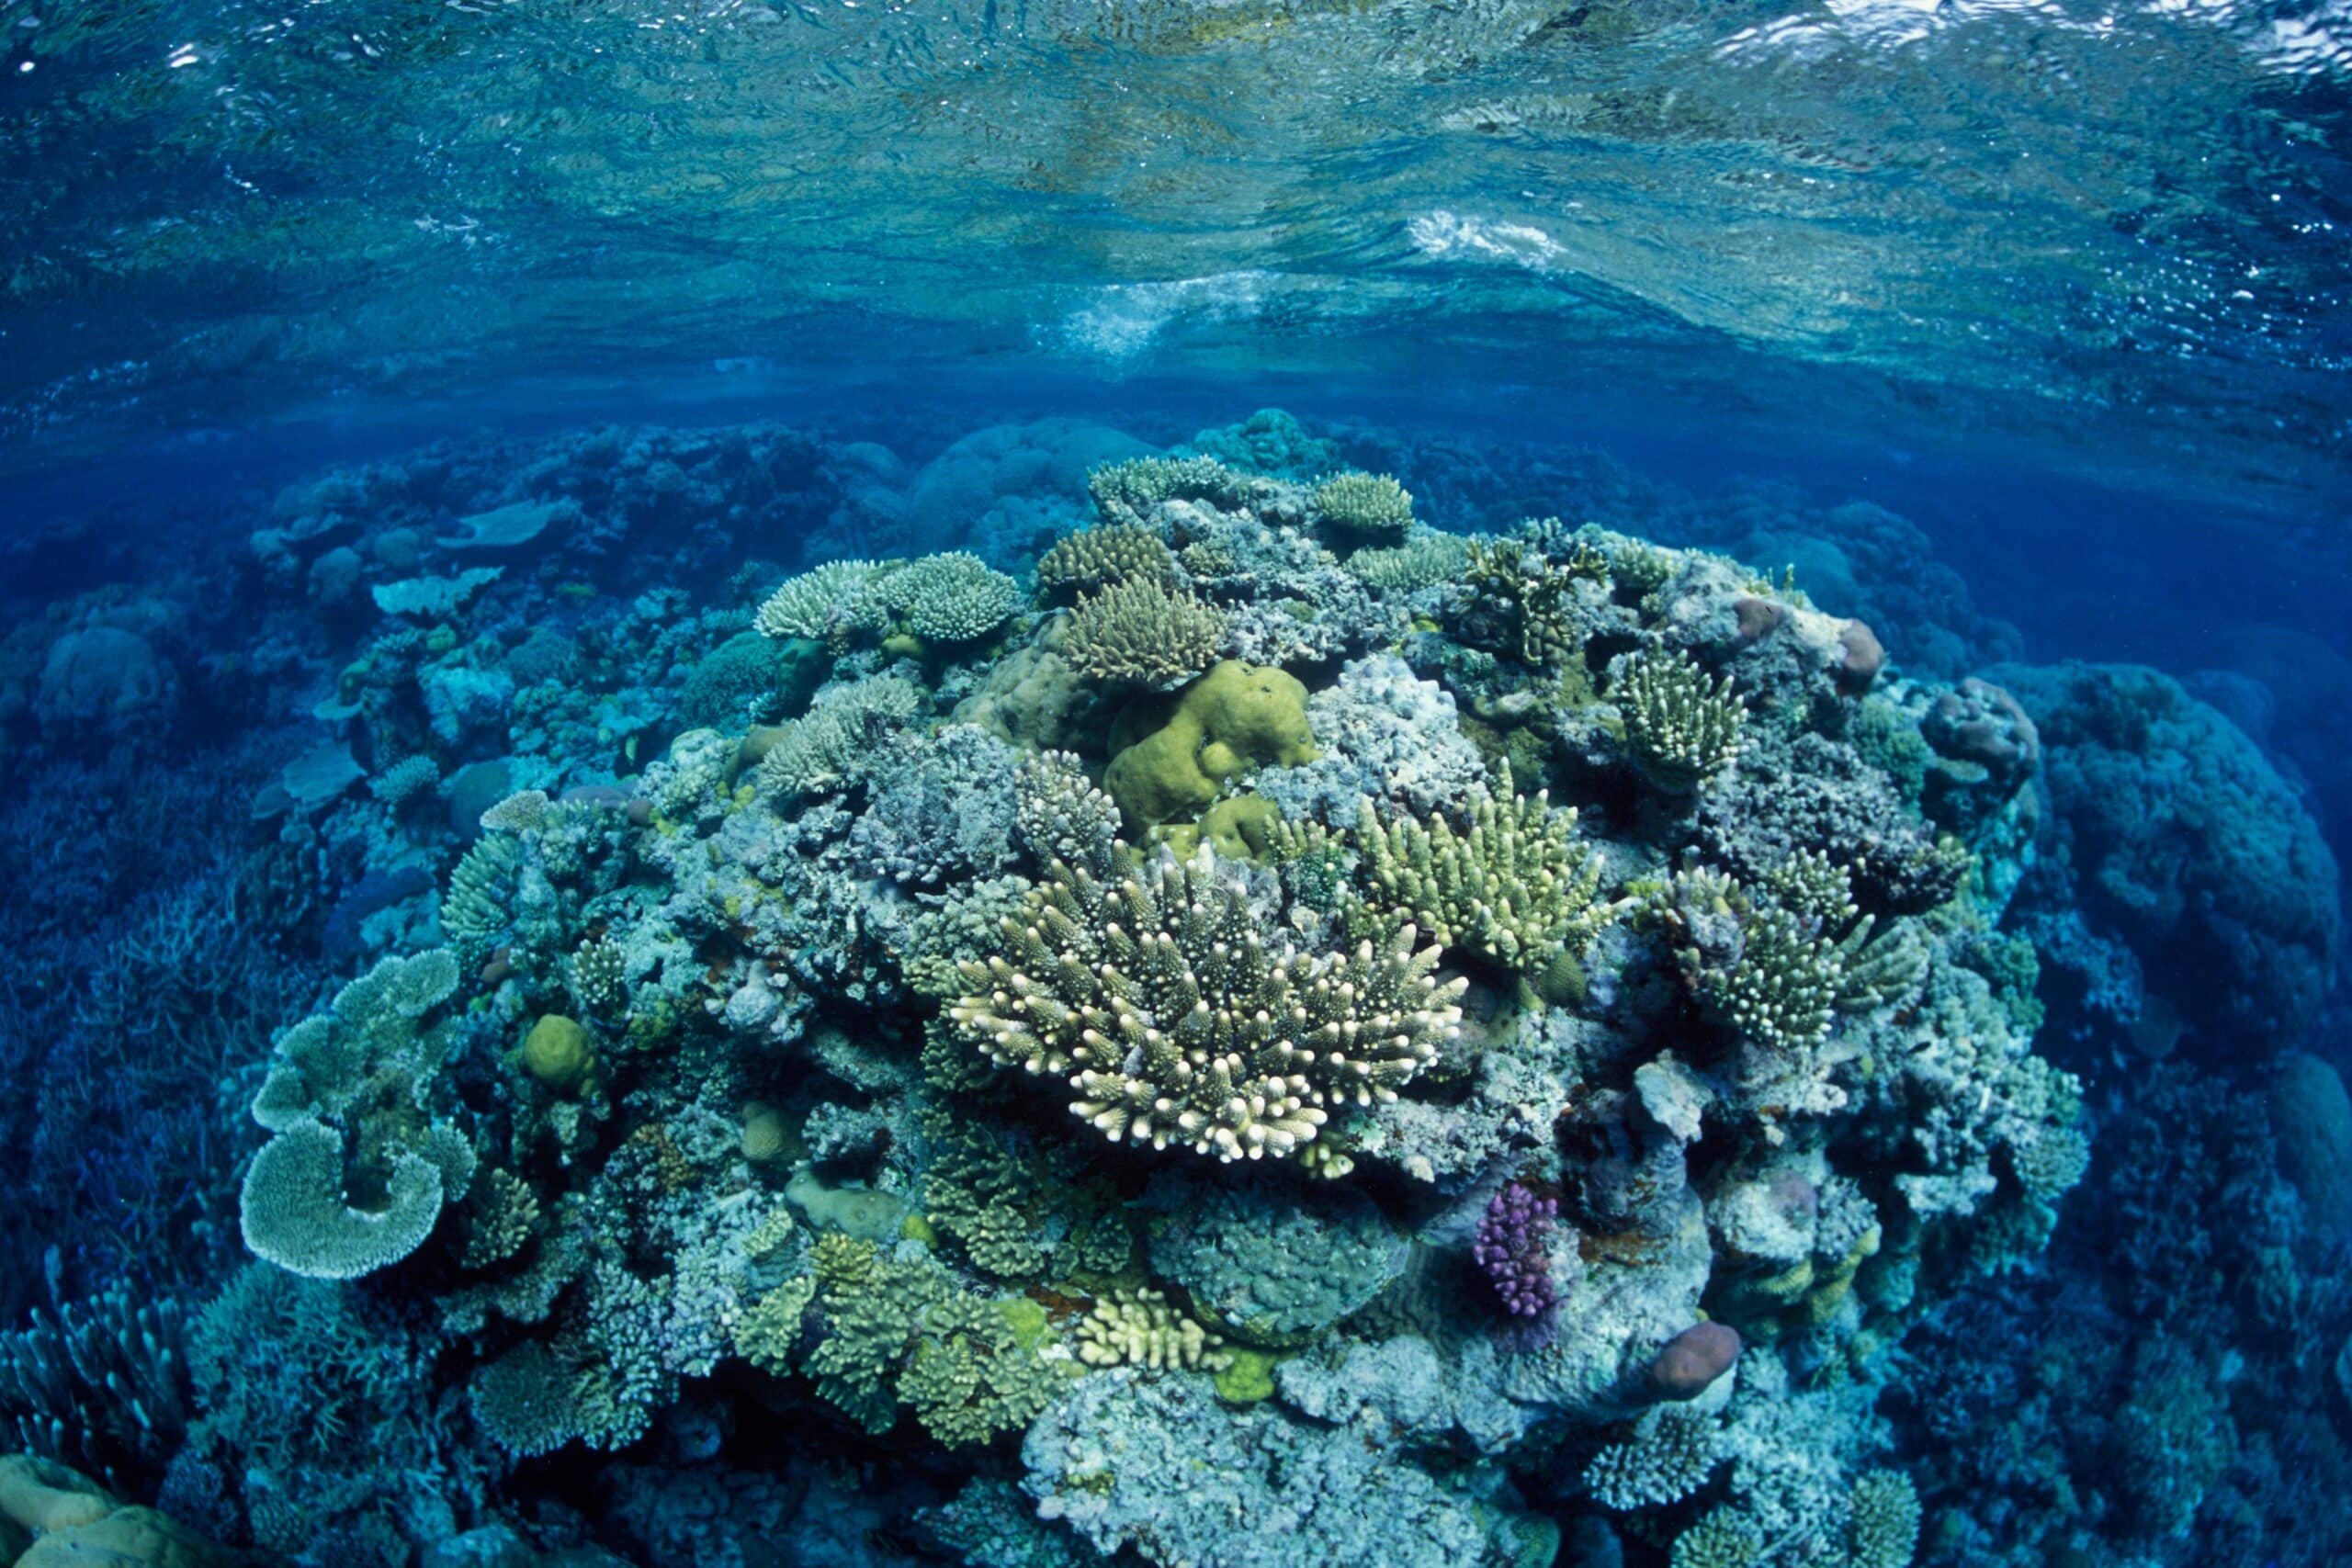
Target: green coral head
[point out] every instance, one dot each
(557, 1053)
(1174, 755)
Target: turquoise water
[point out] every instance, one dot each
(1195, 785)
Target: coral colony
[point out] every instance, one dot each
(1183, 1008)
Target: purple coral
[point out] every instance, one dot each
(1514, 1246)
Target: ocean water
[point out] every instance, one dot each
(1200, 784)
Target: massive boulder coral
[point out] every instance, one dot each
(2182, 837)
(1172, 755)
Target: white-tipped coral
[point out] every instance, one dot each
(1176, 1021)
(1681, 729)
(1140, 1328)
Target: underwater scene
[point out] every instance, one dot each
(1175, 784)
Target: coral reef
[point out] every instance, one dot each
(1305, 1039)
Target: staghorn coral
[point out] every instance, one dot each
(1511, 885)
(1115, 552)
(1142, 630)
(1371, 506)
(1422, 561)
(1176, 1021)
(1680, 730)
(101, 1385)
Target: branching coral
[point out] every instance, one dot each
(1672, 1451)
(600, 978)
(1141, 630)
(1061, 816)
(1421, 562)
(1124, 492)
(1140, 1328)
(475, 910)
(1529, 592)
(1117, 552)
(1720, 1539)
(826, 604)
(1176, 1019)
(954, 597)
(974, 1374)
(1513, 1247)
(1511, 885)
(1783, 990)
(1681, 729)
(871, 1312)
(1373, 505)
(832, 745)
(1885, 1529)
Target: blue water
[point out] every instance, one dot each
(555, 1021)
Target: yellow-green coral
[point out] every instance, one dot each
(1373, 504)
(1115, 552)
(1421, 562)
(1239, 827)
(1529, 592)
(557, 1053)
(1512, 885)
(1143, 630)
(1173, 755)
(974, 1374)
